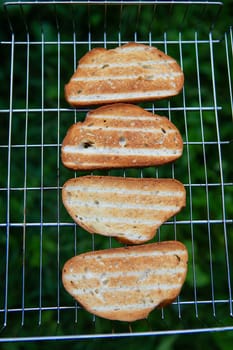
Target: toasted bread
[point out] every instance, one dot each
(121, 135)
(127, 283)
(129, 73)
(129, 209)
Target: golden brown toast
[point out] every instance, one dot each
(127, 283)
(130, 73)
(121, 135)
(129, 209)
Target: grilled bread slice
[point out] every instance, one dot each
(129, 73)
(127, 283)
(129, 209)
(121, 135)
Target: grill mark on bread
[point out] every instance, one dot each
(99, 277)
(125, 208)
(166, 76)
(148, 64)
(124, 190)
(139, 152)
(96, 277)
(127, 283)
(112, 205)
(147, 118)
(132, 231)
(129, 128)
(95, 219)
(145, 304)
(120, 96)
(138, 254)
(132, 47)
(128, 289)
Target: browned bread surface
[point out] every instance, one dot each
(127, 283)
(129, 209)
(121, 135)
(129, 73)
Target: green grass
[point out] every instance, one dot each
(38, 251)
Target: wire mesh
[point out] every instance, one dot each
(41, 46)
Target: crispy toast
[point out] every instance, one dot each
(121, 135)
(129, 209)
(130, 73)
(127, 283)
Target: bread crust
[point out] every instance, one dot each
(128, 209)
(130, 73)
(121, 136)
(127, 283)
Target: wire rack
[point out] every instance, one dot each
(40, 46)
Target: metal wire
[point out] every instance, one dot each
(30, 194)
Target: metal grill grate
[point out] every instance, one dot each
(40, 48)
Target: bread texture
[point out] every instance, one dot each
(127, 283)
(121, 135)
(130, 73)
(129, 209)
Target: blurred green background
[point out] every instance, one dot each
(36, 234)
